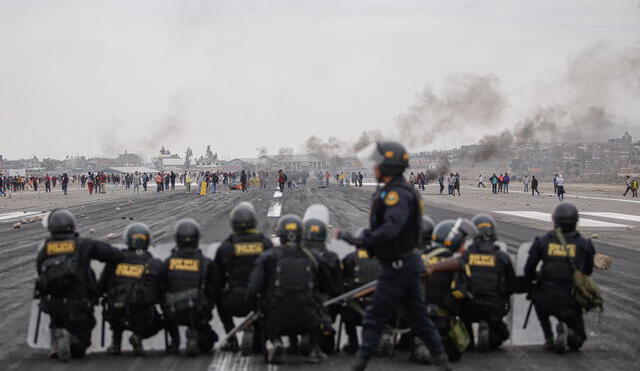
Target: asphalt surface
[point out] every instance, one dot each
(613, 342)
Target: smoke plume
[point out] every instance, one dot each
(466, 100)
(441, 169)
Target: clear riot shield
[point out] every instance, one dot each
(532, 335)
(39, 335)
(317, 211)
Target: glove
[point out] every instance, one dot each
(347, 237)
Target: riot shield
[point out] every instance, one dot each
(532, 334)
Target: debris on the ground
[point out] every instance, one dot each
(112, 236)
(594, 236)
(124, 217)
(32, 219)
(602, 262)
(17, 225)
(92, 230)
(130, 202)
(117, 208)
(629, 227)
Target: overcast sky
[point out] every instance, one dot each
(97, 77)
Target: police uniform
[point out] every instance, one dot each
(131, 290)
(392, 237)
(189, 281)
(492, 281)
(235, 259)
(290, 314)
(359, 268)
(67, 287)
(552, 294)
(287, 281)
(442, 305)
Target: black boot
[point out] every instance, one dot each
(61, 344)
(192, 343)
(274, 354)
(136, 343)
(231, 345)
(247, 342)
(442, 361)
(360, 364)
(560, 344)
(115, 348)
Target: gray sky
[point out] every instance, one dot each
(97, 77)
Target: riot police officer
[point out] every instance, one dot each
(189, 281)
(314, 238)
(359, 268)
(491, 279)
(443, 291)
(235, 259)
(393, 236)
(131, 289)
(66, 284)
(562, 252)
(287, 280)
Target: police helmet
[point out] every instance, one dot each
(391, 158)
(187, 233)
(427, 228)
(452, 234)
(243, 217)
(565, 217)
(137, 236)
(289, 229)
(314, 230)
(486, 226)
(61, 221)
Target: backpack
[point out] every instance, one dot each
(294, 280)
(62, 272)
(585, 290)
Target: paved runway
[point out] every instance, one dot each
(613, 342)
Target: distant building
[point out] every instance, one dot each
(625, 140)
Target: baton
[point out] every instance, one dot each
(35, 336)
(526, 319)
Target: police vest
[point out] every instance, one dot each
(61, 268)
(129, 285)
(186, 271)
(366, 269)
(556, 266)
(246, 249)
(294, 279)
(486, 273)
(409, 238)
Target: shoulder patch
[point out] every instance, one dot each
(363, 254)
(392, 198)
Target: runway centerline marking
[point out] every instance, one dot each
(546, 217)
(277, 194)
(275, 209)
(628, 217)
(18, 215)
